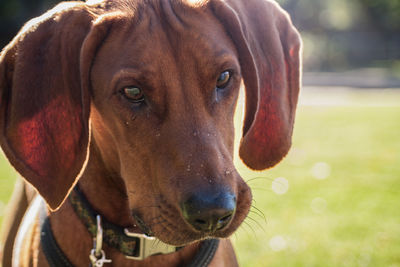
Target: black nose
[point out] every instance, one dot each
(209, 211)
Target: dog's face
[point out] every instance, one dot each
(163, 105)
(159, 82)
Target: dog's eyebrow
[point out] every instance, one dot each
(223, 53)
(223, 56)
(227, 58)
(130, 74)
(222, 59)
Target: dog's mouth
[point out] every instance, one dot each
(168, 225)
(142, 225)
(180, 236)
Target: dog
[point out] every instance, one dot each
(119, 116)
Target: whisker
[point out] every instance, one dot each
(259, 178)
(254, 232)
(261, 189)
(244, 228)
(261, 212)
(255, 212)
(259, 224)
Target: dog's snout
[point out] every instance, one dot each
(209, 212)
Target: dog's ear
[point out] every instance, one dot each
(269, 53)
(44, 99)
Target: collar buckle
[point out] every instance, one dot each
(149, 246)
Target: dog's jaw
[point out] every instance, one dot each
(165, 221)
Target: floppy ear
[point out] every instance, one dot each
(44, 109)
(269, 53)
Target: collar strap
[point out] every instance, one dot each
(205, 254)
(52, 251)
(141, 244)
(132, 245)
(56, 258)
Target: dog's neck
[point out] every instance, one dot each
(105, 190)
(107, 195)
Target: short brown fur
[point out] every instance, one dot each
(64, 117)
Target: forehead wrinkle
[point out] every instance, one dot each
(188, 52)
(153, 44)
(206, 55)
(177, 25)
(198, 30)
(141, 41)
(140, 74)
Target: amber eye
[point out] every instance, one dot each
(223, 79)
(133, 93)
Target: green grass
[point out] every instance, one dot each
(7, 178)
(350, 218)
(356, 219)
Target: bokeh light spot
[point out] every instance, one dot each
(278, 243)
(280, 185)
(321, 170)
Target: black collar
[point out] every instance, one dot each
(113, 235)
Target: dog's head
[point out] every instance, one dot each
(159, 81)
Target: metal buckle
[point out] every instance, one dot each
(149, 246)
(97, 256)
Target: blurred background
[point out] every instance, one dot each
(338, 35)
(335, 199)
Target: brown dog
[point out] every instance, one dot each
(135, 98)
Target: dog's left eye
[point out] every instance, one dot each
(134, 94)
(223, 79)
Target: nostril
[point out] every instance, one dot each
(226, 218)
(223, 222)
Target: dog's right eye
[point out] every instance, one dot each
(133, 94)
(223, 79)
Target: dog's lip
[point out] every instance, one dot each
(140, 227)
(139, 223)
(183, 234)
(186, 238)
(181, 238)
